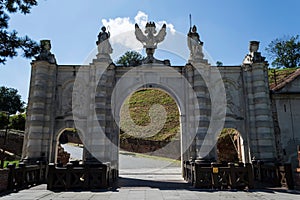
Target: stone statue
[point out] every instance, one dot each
(103, 44)
(45, 54)
(195, 44)
(150, 41)
(253, 56)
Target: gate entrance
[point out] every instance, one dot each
(150, 135)
(89, 98)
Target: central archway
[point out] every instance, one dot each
(172, 82)
(150, 133)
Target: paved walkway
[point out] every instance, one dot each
(149, 193)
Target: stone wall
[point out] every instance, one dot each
(14, 141)
(286, 98)
(288, 112)
(155, 148)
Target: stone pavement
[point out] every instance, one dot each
(149, 193)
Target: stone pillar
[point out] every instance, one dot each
(111, 128)
(40, 112)
(39, 121)
(96, 138)
(201, 117)
(202, 79)
(259, 113)
(97, 141)
(190, 153)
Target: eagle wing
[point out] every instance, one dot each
(139, 34)
(161, 34)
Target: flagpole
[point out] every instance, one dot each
(190, 21)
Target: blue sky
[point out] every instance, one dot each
(226, 27)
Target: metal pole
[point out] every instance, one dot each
(6, 129)
(190, 21)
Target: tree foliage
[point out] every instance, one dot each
(10, 42)
(10, 100)
(285, 52)
(17, 122)
(219, 63)
(130, 58)
(4, 120)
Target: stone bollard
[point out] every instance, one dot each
(51, 169)
(11, 176)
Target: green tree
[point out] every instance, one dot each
(285, 52)
(10, 42)
(10, 100)
(4, 120)
(18, 122)
(130, 58)
(219, 63)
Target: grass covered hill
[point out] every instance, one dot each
(139, 106)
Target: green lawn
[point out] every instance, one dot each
(6, 163)
(139, 105)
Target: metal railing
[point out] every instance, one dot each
(238, 176)
(218, 176)
(279, 175)
(82, 177)
(25, 176)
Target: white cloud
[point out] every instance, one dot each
(118, 25)
(141, 18)
(122, 32)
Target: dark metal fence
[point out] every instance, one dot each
(273, 175)
(237, 176)
(218, 176)
(81, 177)
(25, 176)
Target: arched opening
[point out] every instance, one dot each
(230, 146)
(69, 147)
(150, 133)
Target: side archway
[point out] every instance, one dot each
(68, 146)
(230, 146)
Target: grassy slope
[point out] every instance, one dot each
(139, 105)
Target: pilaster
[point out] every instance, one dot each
(39, 121)
(260, 128)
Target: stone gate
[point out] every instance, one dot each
(89, 99)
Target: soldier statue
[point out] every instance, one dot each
(103, 44)
(195, 44)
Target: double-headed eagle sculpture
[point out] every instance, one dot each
(150, 40)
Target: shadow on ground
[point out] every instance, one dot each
(133, 182)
